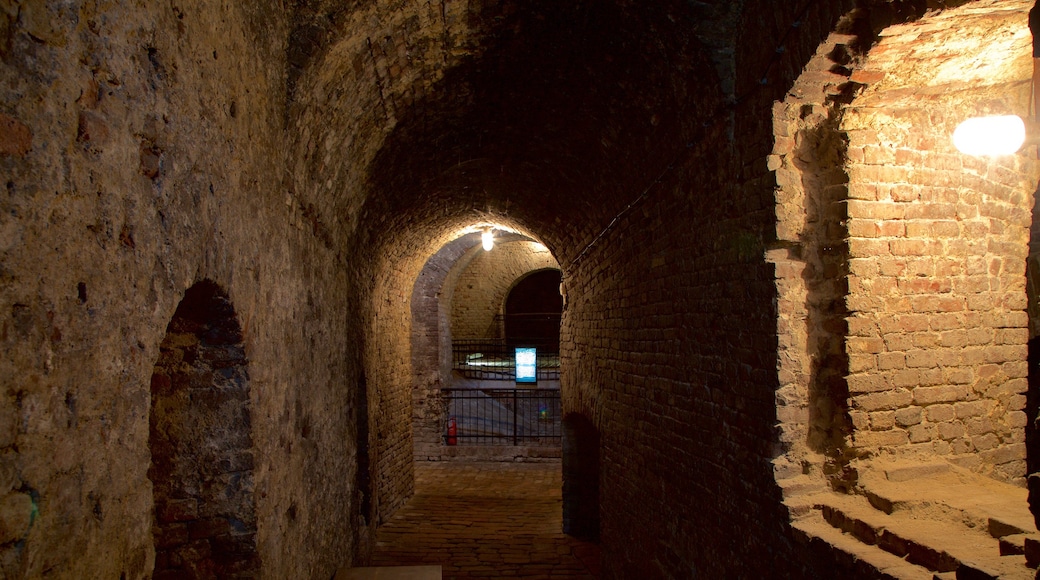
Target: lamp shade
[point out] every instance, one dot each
(999, 135)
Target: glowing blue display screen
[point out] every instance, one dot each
(526, 365)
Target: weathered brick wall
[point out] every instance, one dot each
(480, 292)
(142, 151)
(431, 340)
(937, 244)
(200, 438)
(810, 264)
(670, 330)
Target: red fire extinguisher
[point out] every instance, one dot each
(453, 431)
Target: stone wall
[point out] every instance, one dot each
(143, 151)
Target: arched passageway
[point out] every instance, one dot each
(533, 309)
(489, 503)
(201, 445)
(776, 270)
(464, 363)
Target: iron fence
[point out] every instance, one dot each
(495, 360)
(503, 417)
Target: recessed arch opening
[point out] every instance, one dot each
(200, 436)
(459, 342)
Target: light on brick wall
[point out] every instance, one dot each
(487, 239)
(997, 135)
(1004, 134)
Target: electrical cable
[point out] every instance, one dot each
(719, 115)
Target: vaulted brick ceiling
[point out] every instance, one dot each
(559, 113)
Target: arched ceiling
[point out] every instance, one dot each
(566, 116)
(547, 115)
(413, 120)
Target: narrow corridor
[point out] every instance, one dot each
(486, 520)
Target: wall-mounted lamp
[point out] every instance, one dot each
(1004, 134)
(487, 239)
(998, 135)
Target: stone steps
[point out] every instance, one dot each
(939, 546)
(865, 560)
(922, 522)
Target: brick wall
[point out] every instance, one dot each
(937, 246)
(929, 324)
(810, 264)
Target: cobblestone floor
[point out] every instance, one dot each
(486, 520)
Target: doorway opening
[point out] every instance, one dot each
(580, 478)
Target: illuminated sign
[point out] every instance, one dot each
(526, 365)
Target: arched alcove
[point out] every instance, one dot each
(201, 444)
(581, 459)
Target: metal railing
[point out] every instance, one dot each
(494, 359)
(503, 417)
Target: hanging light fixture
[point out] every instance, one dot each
(487, 239)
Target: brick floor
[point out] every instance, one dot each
(486, 520)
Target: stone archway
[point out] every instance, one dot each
(201, 444)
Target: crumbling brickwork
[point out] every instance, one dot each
(925, 304)
(811, 262)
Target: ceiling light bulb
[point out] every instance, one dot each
(487, 239)
(1001, 135)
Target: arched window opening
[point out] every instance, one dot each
(199, 435)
